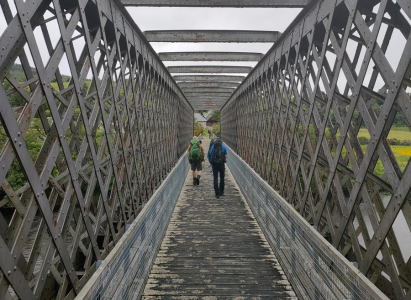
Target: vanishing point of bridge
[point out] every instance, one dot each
(93, 134)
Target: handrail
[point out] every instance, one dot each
(126, 269)
(314, 267)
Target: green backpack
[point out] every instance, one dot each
(195, 151)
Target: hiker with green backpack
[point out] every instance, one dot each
(195, 153)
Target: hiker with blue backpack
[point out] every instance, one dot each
(195, 153)
(217, 156)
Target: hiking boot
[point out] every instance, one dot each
(221, 193)
(194, 181)
(217, 195)
(198, 179)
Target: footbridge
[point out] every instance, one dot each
(96, 197)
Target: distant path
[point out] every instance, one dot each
(214, 249)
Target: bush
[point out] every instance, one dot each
(216, 129)
(363, 140)
(393, 142)
(198, 128)
(406, 143)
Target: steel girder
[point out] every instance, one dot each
(208, 78)
(209, 69)
(222, 84)
(208, 90)
(212, 36)
(190, 96)
(88, 147)
(210, 56)
(212, 101)
(217, 3)
(298, 118)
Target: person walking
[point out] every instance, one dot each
(217, 156)
(195, 154)
(209, 133)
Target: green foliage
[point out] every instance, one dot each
(216, 129)
(198, 128)
(393, 142)
(35, 134)
(363, 140)
(216, 115)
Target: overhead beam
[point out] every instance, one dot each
(212, 36)
(207, 78)
(208, 90)
(222, 84)
(215, 101)
(208, 99)
(208, 102)
(209, 69)
(216, 3)
(207, 106)
(203, 96)
(223, 94)
(210, 56)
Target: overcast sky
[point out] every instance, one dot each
(180, 18)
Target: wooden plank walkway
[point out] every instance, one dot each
(214, 249)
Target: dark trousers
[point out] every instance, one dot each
(218, 168)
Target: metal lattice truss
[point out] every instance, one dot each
(202, 83)
(296, 119)
(109, 130)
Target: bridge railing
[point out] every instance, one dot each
(124, 273)
(317, 118)
(314, 267)
(91, 122)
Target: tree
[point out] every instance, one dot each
(216, 115)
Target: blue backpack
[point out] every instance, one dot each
(215, 154)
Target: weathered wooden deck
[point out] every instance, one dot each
(214, 249)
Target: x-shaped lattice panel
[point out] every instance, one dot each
(86, 136)
(340, 71)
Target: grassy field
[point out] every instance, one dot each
(402, 153)
(399, 133)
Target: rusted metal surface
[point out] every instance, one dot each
(107, 135)
(209, 69)
(217, 3)
(210, 56)
(207, 78)
(212, 36)
(338, 71)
